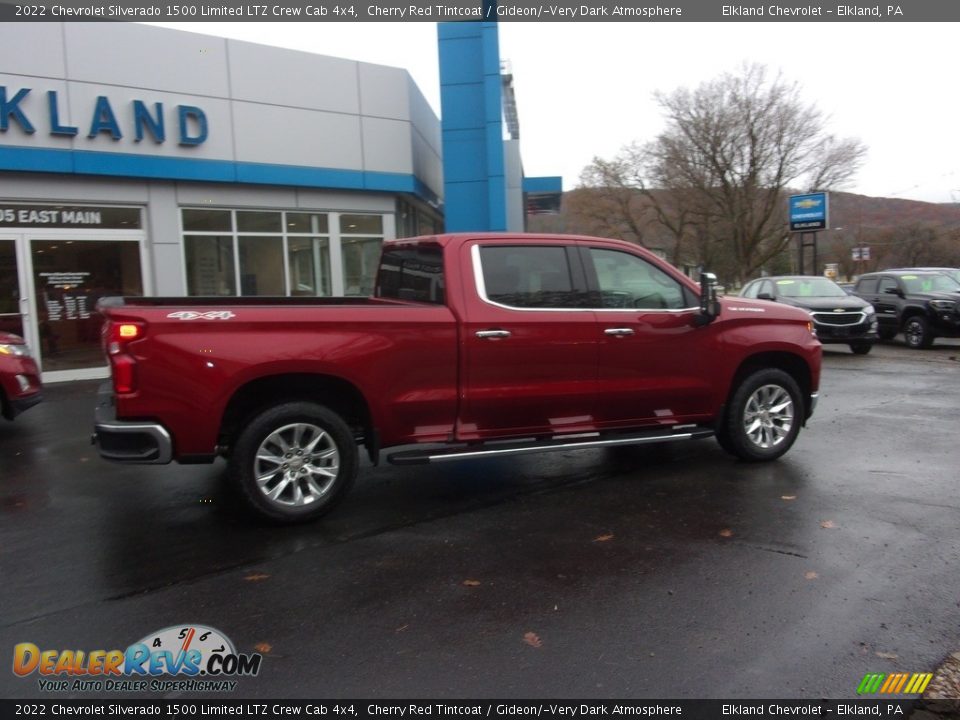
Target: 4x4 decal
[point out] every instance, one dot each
(209, 315)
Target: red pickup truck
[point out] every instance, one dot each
(473, 345)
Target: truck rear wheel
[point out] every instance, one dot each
(294, 462)
(763, 416)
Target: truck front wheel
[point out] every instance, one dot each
(916, 333)
(763, 417)
(294, 462)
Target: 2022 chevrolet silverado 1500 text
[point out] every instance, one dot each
(473, 345)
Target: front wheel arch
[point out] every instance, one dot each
(762, 419)
(793, 365)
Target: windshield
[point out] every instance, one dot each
(929, 283)
(808, 287)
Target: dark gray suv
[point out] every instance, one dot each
(837, 316)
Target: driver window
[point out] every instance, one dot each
(627, 281)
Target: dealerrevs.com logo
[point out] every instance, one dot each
(177, 658)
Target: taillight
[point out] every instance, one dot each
(122, 364)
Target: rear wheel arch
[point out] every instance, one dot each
(338, 395)
(294, 461)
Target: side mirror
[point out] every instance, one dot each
(893, 291)
(709, 304)
(766, 296)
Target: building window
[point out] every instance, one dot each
(414, 222)
(261, 265)
(309, 266)
(272, 252)
(210, 265)
(207, 220)
(361, 237)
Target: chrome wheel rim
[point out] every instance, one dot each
(296, 465)
(768, 416)
(914, 333)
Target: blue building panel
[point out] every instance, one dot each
(35, 160)
(468, 150)
(172, 168)
(546, 184)
(462, 196)
(471, 99)
(463, 107)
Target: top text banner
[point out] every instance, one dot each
(501, 11)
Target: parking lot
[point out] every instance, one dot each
(670, 572)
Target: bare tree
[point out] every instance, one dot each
(718, 175)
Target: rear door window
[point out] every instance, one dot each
(528, 276)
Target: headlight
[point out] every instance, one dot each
(942, 305)
(15, 350)
(869, 310)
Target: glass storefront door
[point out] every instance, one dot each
(69, 277)
(11, 299)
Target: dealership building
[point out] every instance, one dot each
(137, 160)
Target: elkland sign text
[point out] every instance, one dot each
(141, 119)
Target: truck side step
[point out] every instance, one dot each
(568, 442)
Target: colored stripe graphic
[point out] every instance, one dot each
(894, 684)
(870, 683)
(919, 682)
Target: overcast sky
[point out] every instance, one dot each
(585, 89)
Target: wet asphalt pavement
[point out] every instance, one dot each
(670, 572)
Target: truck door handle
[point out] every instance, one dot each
(618, 332)
(493, 334)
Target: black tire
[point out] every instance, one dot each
(916, 332)
(305, 456)
(861, 348)
(765, 390)
(886, 333)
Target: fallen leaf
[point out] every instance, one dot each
(472, 583)
(886, 655)
(811, 575)
(727, 532)
(603, 538)
(256, 577)
(532, 639)
(827, 524)
(788, 497)
(264, 648)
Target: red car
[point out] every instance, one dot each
(20, 386)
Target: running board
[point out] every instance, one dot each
(572, 442)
